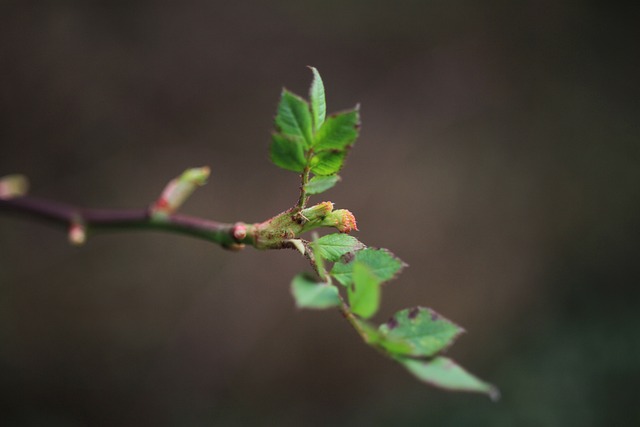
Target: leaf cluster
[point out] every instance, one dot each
(307, 141)
(349, 275)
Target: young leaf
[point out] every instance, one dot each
(287, 153)
(327, 162)
(318, 103)
(310, 294)
(373, 337)
(320, 184)
(294, 118)
(332, 246)
(364, 292)
(381, 262)
(338, 132)
(426, 332)
(445, 373)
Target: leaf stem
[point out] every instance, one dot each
(302, 200)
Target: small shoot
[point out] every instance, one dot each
(12, 186)
(178, 190)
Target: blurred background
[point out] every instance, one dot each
(499, 157)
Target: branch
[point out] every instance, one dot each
(98, 220)
(274, 233)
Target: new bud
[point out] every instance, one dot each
(318, 212)
(13, 186)
(178, 190)
(341, 219)
(239, 231)
(77, 234)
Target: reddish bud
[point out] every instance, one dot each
(77, 234)
(239, 231)
(341, 219)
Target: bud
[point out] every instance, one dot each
(13, 186)
(239, 231)
(341, 219)
(77, 234)
(179, 189)
(317, 212)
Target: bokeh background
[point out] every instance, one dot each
(499, 157)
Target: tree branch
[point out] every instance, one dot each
(98, 220)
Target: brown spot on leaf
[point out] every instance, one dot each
(392, 323)
(413, 313)
(348, 257)
(434, 316)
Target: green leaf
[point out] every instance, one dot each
(318, 103)
(425, 331)
(332, 246)
(327, 162)
(287, 153)
(372, 336)
(445, 373)
(320, 184)
(381, 262)
(364, 292)
(338, 132)
(294, 117)
(310, 294)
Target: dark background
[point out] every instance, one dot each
(499, 157)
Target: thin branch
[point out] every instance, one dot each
(99, 220)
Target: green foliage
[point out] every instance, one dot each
(311, 294)
(318, 102)
(425, 332)
(320, 184)
(308, 142)
(333, 246)
(338, 132)
(382, 263)
(287, 152)
(327, 162)
(364, 291)
(444, 372)
(294, 118)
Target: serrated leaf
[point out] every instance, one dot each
(364, 292)
(310, 294)
(327, 162)
(338, 132)
(320, 184)
(382, 263)
(287, 153)
(294, 117)
(318, 102)
(425, 331)
(445, 373)
(332, 246)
